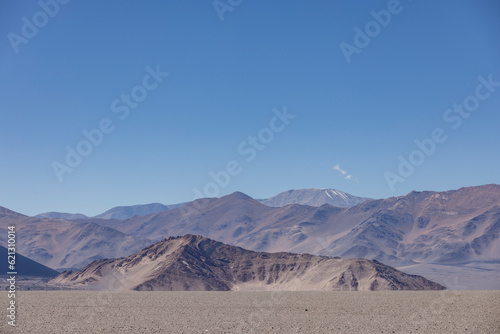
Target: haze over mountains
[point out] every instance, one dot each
(196, 263)
(450, 236)
(312, 197)
(119, 212)
(124, 212)
(61, 215)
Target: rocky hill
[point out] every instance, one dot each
(197, 263)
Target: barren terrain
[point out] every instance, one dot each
(256, 312)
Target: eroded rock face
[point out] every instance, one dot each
(196, 263)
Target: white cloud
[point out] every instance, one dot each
(348, 177)
(337, 167)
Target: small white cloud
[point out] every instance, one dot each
(337, 167)
(348, 177)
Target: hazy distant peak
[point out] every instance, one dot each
(125, 212)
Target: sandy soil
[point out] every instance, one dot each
(255, 312)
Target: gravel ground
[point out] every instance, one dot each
(52, 312)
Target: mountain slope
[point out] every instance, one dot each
(450, 227)
(25, 266)
(197, 263)
(314, 197)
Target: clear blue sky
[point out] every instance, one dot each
(225, 79)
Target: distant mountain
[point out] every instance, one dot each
(25, 266)
(314, 197)
(61, 215)
(62, 244)
(197, 263)
(125, 212)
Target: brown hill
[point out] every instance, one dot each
(197, 263)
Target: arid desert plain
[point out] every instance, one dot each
(447, 311)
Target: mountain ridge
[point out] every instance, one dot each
(310, 196)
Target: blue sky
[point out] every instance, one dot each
(225, 79)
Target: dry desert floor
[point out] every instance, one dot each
(255, 312)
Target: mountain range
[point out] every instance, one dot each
(312, 197)
(451, 237)
(197, 263)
